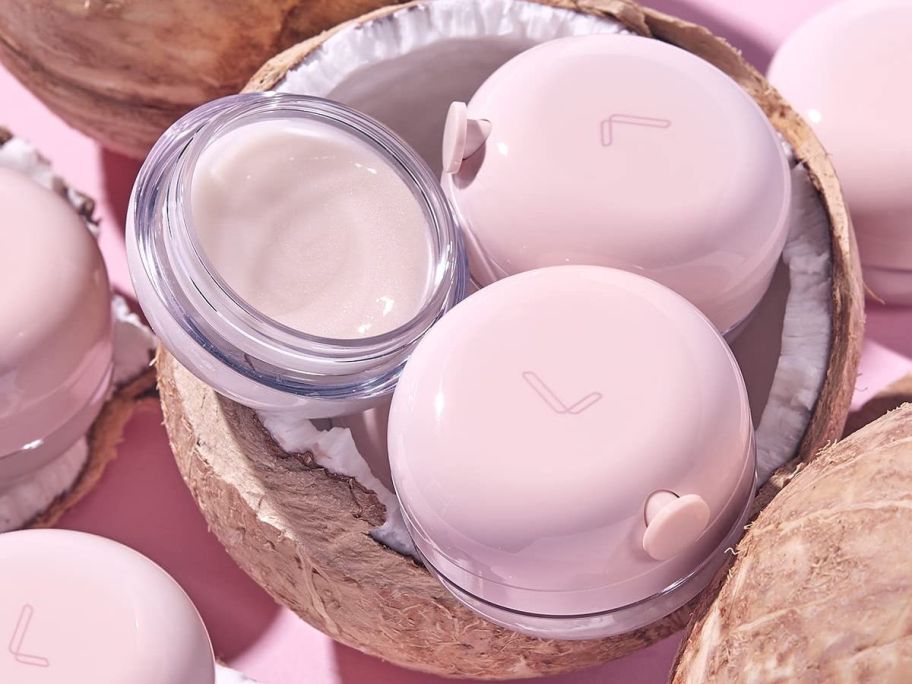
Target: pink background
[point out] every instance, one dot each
(142, 501)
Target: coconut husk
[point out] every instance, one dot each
(123, 71)
(891, 397)
(821, 586)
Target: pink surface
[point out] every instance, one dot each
(142, 501)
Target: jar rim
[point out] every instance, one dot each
(213, 314)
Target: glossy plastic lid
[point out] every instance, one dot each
(79, 608)
(847, 71)
(55, 313)
(621, 151)
(571, 440)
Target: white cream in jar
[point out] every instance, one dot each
(310, 226)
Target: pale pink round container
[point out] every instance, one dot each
(573, 451)
(81, 609)
(56, 335)
(847, 72)
(627, 152)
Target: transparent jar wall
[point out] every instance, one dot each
(238, 351)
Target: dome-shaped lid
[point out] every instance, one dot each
(81, 608)
(571, 440)
(846, 72)
(621, 151)
(55, 313)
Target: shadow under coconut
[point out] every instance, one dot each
(142, 502)
(889, 326)
(650, 665)
(892, 397)
(119, 174)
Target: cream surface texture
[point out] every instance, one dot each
(312, 227)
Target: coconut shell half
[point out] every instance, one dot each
(303, 533)
(107, 430)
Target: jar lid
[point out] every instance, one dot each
(571, 440)
(621, 151)
(81, 608)
(844, 72)
(55, 313)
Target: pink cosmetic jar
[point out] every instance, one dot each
(82, 609)
(56, 334)
(847, 71)
(573, 451)
(197, 310)
(621, 151)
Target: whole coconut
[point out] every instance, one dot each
(822, 587)
(122, 71)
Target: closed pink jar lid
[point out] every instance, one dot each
(81, 609)
(56, 339)
(847, 71)
(621, 151)
(571, 440)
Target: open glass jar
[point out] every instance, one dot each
(216, 332)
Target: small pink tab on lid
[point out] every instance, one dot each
(462, 136)
(673, 523)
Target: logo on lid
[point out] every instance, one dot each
(18, 638)
(554, 402)
(609, 124)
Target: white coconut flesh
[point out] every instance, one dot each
(133, 348)
(405, 69)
